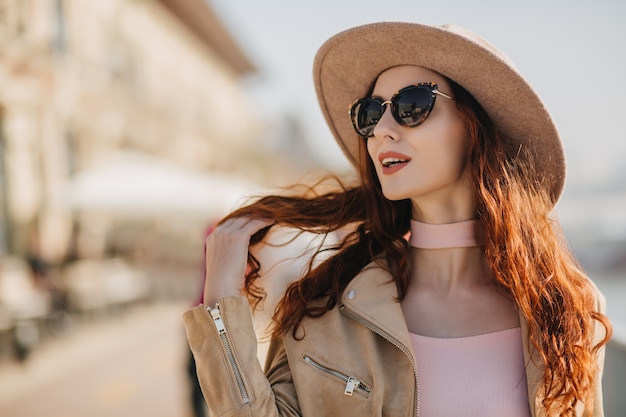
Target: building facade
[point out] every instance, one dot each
(83, 80)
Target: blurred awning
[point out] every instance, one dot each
(133, 184)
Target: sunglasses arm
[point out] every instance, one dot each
(443, 94)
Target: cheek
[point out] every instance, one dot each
(372, 150)
(458, 153)
(448, 155)
(461, 144)
(455, 163)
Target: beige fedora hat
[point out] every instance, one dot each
(347, 64)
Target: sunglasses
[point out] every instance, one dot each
(409, 107)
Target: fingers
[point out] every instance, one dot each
(227, 255)
(237, 232)
(241, 227)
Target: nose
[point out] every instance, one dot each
(387, 127)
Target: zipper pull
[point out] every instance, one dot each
(217, 319)
(351, 385)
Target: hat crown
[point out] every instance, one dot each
(473, 37)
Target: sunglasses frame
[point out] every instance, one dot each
(430, 87)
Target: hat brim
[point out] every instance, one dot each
(348, 63)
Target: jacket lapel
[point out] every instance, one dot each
(372, 295)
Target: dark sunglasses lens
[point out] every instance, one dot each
(412, 105)
(365, 114)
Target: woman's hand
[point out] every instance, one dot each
(227, 256)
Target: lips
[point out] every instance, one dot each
(392, 161)
(389, 162)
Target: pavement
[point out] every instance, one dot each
(130, 364)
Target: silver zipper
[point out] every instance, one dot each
(352, 383)
(221, 330)
(391, 340)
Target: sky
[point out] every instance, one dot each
(573, 52)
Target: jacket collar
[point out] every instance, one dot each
(363, 297)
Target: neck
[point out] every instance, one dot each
(443, 236)
(447, 256)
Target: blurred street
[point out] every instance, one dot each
(134, 365)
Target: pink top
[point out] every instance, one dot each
(476, 376)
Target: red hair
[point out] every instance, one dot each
(525, 252)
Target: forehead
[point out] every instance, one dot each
(395, 78)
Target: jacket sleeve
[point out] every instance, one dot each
(600, 333)
(224, 346)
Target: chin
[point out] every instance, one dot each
(394, 196)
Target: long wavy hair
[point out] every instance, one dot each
(525, 252)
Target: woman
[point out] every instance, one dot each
(452, 292)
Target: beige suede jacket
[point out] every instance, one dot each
(356, 360)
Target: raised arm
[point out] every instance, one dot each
(222, 336)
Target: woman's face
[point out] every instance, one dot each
(433, 155)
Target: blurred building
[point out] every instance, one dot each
(83, 81)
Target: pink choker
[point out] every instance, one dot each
(442, 236)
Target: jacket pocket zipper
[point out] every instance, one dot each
(352, 383)
(221, 330)
(393, 341)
